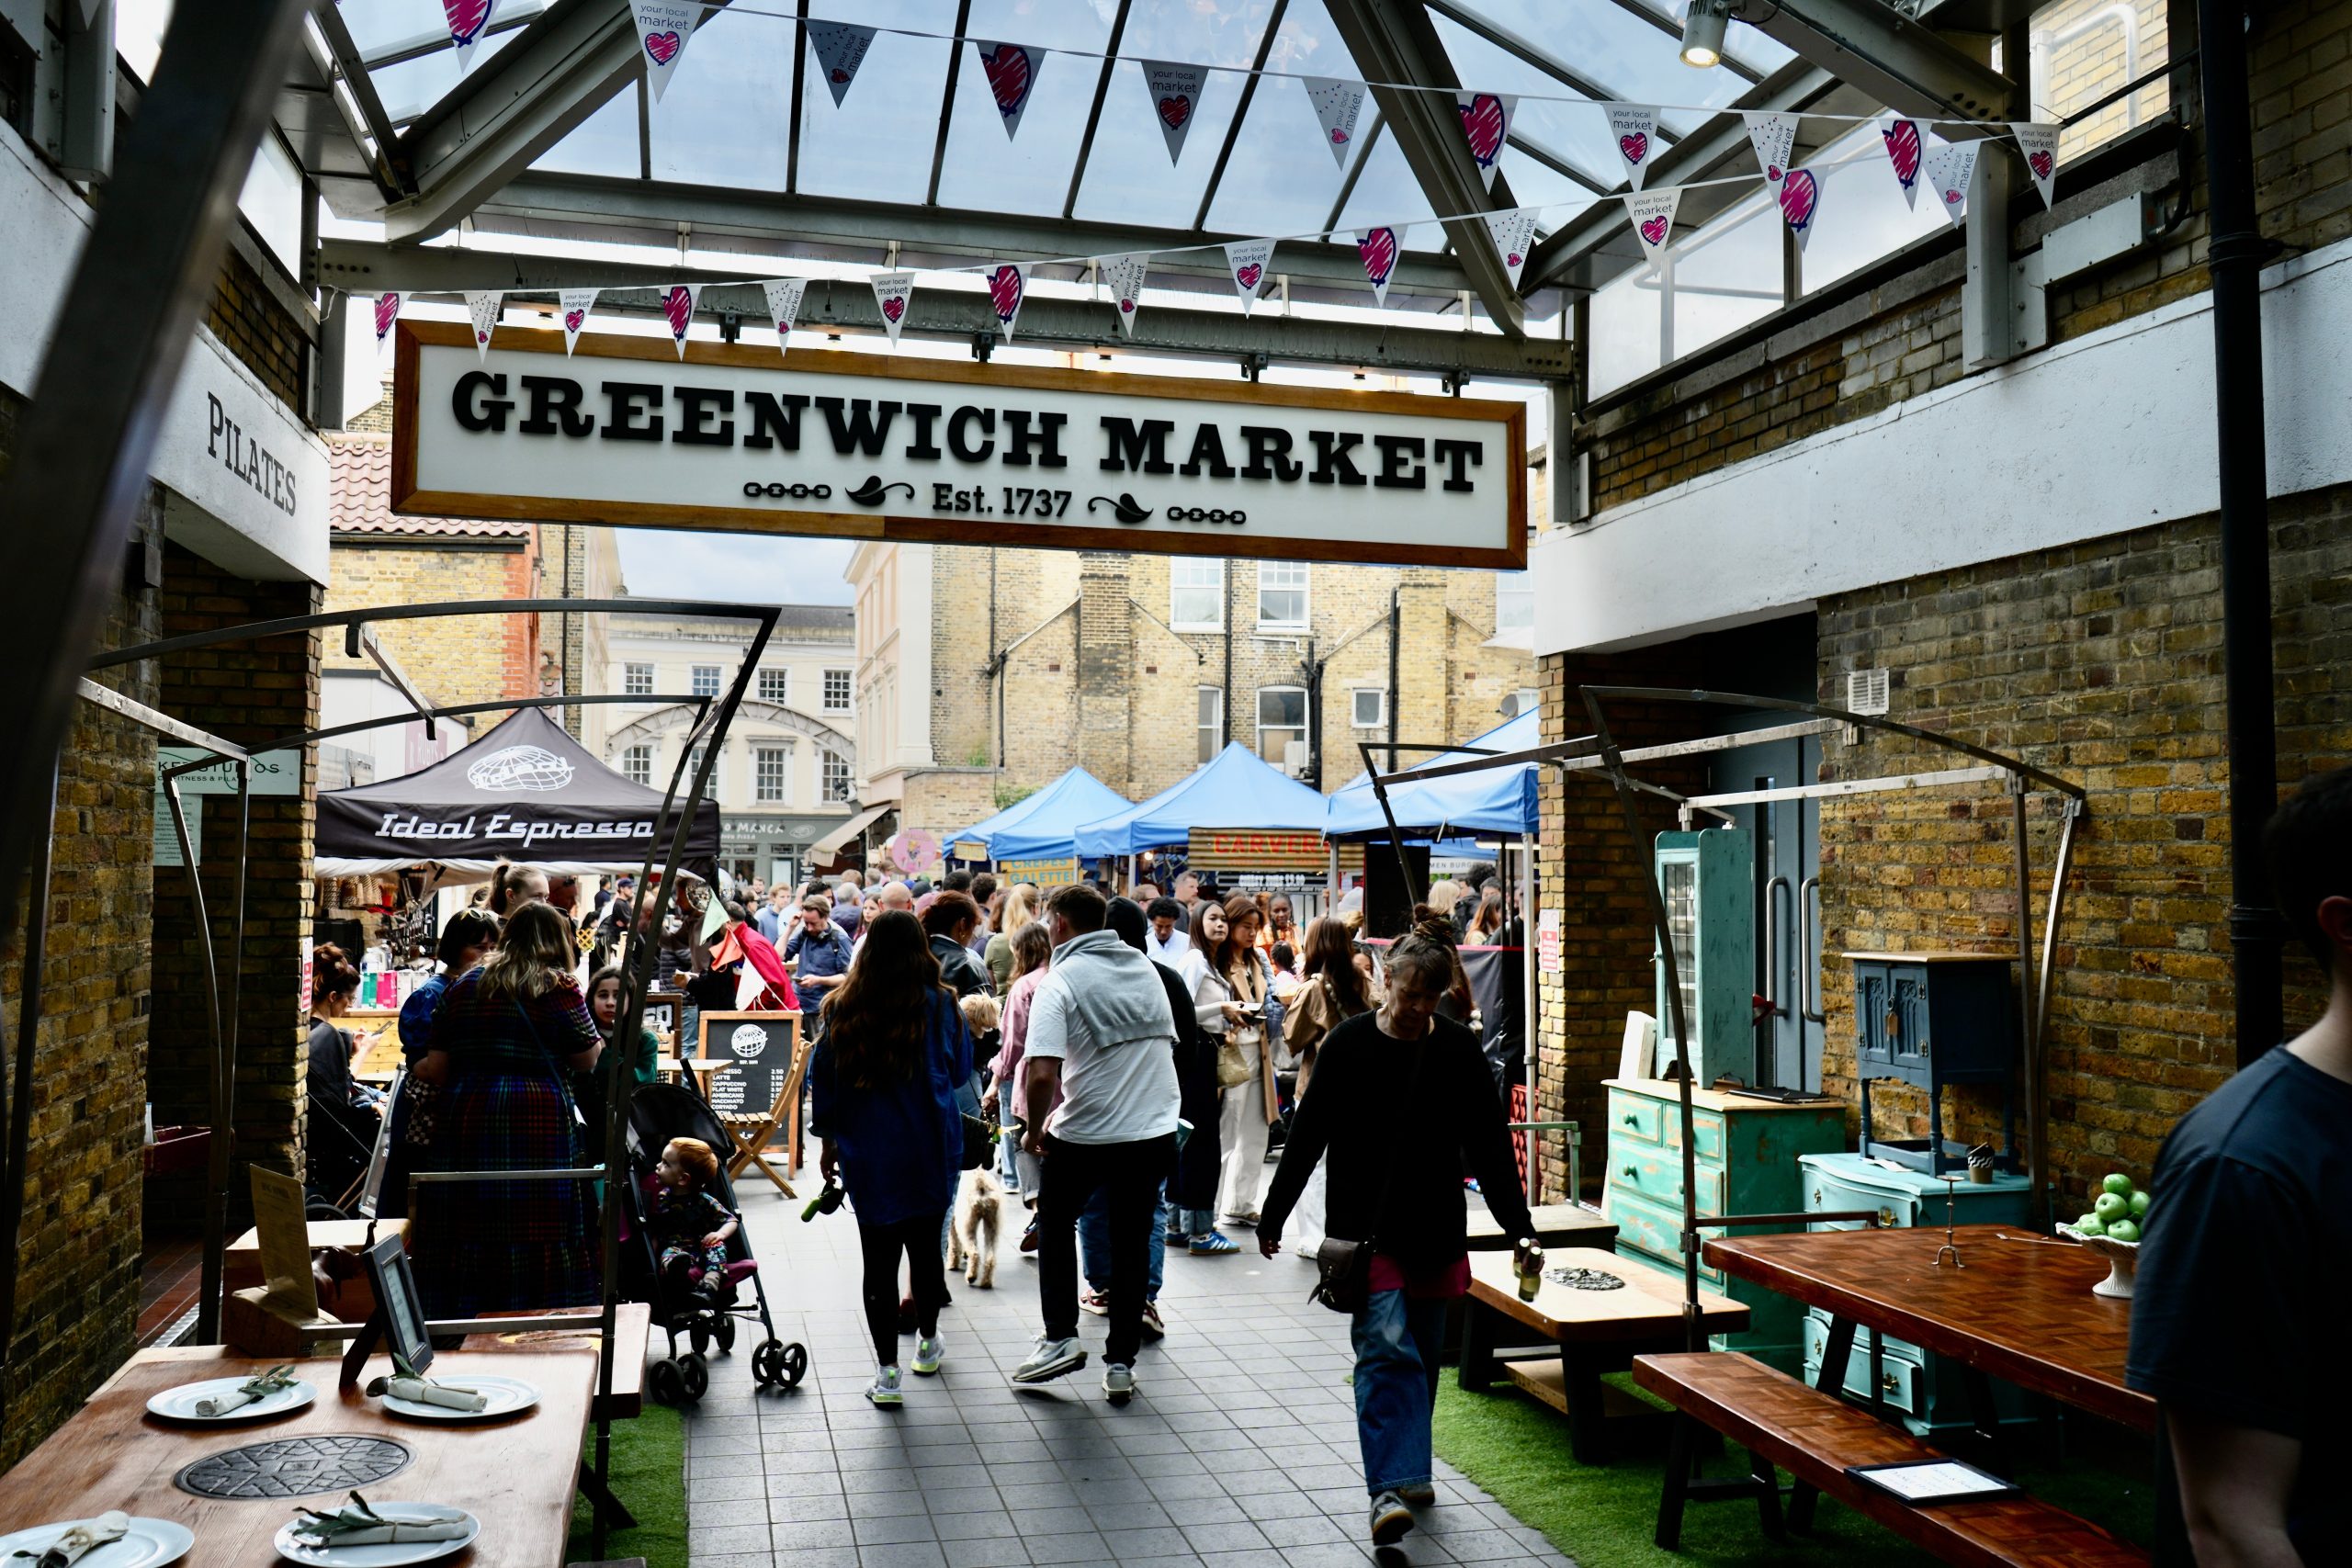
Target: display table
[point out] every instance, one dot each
(1556, 1225)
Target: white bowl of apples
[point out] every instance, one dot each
(2112, 1230)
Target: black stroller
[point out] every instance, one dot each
(657, 1114)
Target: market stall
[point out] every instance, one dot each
(1234, 793)
(1031, 839)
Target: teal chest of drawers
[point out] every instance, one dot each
(1929, 1392)
(1746, 1162)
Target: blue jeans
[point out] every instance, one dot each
(1094, 1245)
(1005, 1111)
(1397, 1344)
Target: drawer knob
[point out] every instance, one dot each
(1632, 1120)
(1816, 1197)
(1886, 1219)
(1629, 1173)
(1890, 1384)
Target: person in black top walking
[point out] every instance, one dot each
(1400, 1100)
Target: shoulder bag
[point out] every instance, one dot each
(1343, 1267)
(1233, 1068)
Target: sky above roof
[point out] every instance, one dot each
(662, 563)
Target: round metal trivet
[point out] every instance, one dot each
(295, 1467)
(1587, 1278)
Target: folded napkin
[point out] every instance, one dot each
(260, 1387)
(357, 1524)
(424, 1392)
(82, 1540)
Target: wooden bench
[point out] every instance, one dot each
(1815, 1437)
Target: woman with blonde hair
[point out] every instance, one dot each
(1020, 909)
(1232, 993)
(507, 1039)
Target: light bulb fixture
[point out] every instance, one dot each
(1702, 33)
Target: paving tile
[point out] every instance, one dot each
(884, 1530)
(902, 1554)
(1003, 1553)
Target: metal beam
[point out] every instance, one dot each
(799, 97)
(1556, 163)
(947, 104)
(1878, 51)
(1365, 149)
(340, 63)
(1045, 321)
(1240, 111)
(1094, 110)
(1394, 41)
(361, 639)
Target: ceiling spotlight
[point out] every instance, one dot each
(1702, 33)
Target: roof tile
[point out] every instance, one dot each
(360, 499)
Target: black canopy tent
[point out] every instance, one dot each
(527, 792)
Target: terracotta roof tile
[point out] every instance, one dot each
(360, 499)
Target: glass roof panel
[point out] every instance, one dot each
(1861, 215)
(1575, 130)
(727, 113)
(1388, 194)
(1271, 187)
(877, 145)
(1619, 51)
(1536, 184)
(1031, 171)
(379, 24)
(1129, 179)
(603, 144)
(408, 87)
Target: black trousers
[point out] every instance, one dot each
(916, 1240)
(1073, 1172)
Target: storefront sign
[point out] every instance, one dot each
(1044, 872)
(167, 842)
(274, 773)
(876, 446)
(245, 482)
(1547, 943)
(1253, 850)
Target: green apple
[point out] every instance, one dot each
(2139, 1205)
(2091, 1224)
(2118, 1183)
(2111, 1207)
(2123, 1230)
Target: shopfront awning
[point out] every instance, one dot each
(847, 833)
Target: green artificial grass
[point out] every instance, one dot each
(1604, 1516)
(649, 1475)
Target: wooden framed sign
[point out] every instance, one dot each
(861, 445)
(762, 1045)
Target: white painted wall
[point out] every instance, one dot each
(2107, 432)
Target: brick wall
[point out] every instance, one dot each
(471, 660)
(248, 320)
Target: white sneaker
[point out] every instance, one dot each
(1391, 1519)
(884, 1389)
(1118, 1382)
(1052, 1359)
(927, 1357)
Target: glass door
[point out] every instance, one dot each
(1787, 835)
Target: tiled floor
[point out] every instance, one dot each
(1240, 1451)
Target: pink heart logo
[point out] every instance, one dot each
(1654, 230)
(2042, 163)
(1248, 276)
(1482, 121)
(1800, 192)
(574, 319)
(1952, 198)
(893, 308)
(465, 19)
(1010, 78)
(1005, 289)
(482, 337)
(678, 306)
(663, 47)
(1175, 111)
(1338, 137)
(388, 308)
(840, 74)
(1126, 307)
(1772, 172)
(1513, 259)
(1903, 150)
(1636, 147)
(783, 329)
(1378, 249)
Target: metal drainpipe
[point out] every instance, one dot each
(2235, 256)
(1227, 617)
(1395, 622)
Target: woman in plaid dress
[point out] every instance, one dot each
(504, 1042)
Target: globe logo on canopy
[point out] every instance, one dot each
(531, 768)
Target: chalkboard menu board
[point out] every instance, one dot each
(760, 1045)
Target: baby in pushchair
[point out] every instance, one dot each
(689, 1226)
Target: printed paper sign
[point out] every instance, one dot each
(468, 20)
(1799, 198)
(387, 310)
(1635, 128)
(1008, 286)
(841, 48)
(892, 293)
(1248, 260)
(1949, 168)
(1337, 104)
(575, 304)
(1378, 248)
(1653, 215)
(1514, 231)
(784, 306)
(663, 29)
(1547, 943)
(678, 305)
(1774, 137)
(1906, 144)
(482, 310)
(1123, 276)
(1174, 89)
(1012, 73)
(2039, 145)
(1486, 121)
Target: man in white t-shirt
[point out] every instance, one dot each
(1100, 1033)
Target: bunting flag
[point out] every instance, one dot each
(678, 305)
(1378, 248)
(784, 306)
(1486, 121)
(1635, 128)
(1774, 134)
(1949, 167)
(1513, 230)
(387, 310)
(1653, 215)
(1800, 198)
(1012, 70)
(468, 20)
(1174, 89)
(893, 291)
(663, 29)
(2039, 146)
(1123, 276)
(574, 304)
(841, 48)
(1008, 286)
(1247, 260)
(484, 311)
(1905, 142)
(1337, 103)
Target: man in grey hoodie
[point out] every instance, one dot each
(1101, 1035)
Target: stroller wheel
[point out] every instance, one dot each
(778, 1364)
(700, 1335)
(665, 1383)
(725, 1332)
(796, 1363)
(696, 1374)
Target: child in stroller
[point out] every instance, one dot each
(690, 1227)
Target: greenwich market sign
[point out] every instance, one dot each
(860, 446)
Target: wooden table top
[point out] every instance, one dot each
(1556, 1224)
(632, 1323)
(2020, 1311)
(515, 1475)
(1648, 1308)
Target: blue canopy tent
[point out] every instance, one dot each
(1235, 789)
(1038, 827)
(1497, 801)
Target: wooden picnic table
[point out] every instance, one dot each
(515, 1475)
(1556, 1225)
(2020, 1311)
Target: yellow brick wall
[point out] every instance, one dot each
(471, 660)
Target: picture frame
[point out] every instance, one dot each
(399, 1310)
(663, 1012)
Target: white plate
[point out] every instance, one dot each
(507, 1396)
(179, 1403)
(390, 1555)
(150, 1543)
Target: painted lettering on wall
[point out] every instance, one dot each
(241, 453)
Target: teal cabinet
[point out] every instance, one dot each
(1745, 1155)
(1929, 1392)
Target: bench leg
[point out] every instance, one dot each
(600, 1497)
(1588, 1419)
(1678, 1484)
(1835, 1353)
(1477, 1373)
(1801, 1497)
(1767, 1496)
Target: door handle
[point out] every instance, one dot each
(1808, 971)
(1773, 889)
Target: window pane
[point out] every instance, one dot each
(837, 691)
(1281, 594)
(769, 766)
(637, 764)
(1197, 592)
(1368, 709)
(1285, 705)
(1625, 329)
(603, 144)
(728, 112)
(1728, 273)
(837, 779)
(1212, 722)
(1871, 221)
(775, 685)
(705, 681)
(637, 681)
(2084, 50)
(1514, 602)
